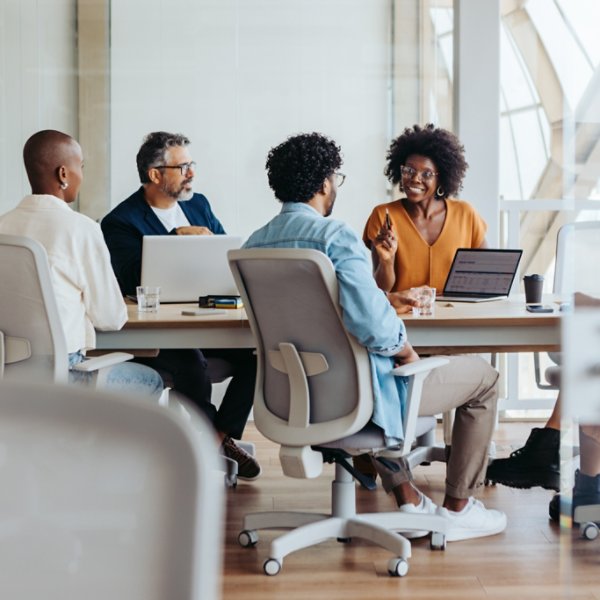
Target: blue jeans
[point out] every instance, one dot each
(126, 377)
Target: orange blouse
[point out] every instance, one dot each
(418, 263)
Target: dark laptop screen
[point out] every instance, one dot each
(482, 272)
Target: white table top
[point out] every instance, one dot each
(457, 327)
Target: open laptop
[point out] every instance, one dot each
(188, 266)
(481, 274)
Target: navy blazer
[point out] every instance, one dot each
(125, 226)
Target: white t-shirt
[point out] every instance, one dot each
(171, 217)
(86, 290)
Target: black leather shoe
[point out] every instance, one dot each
(585, 492)
(537, 463)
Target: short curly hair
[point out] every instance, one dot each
(153, 149)
(441, 146)
(298, 167)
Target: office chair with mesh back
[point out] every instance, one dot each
(32, 341)
(577, 257)
(105, 496)
(314, 397)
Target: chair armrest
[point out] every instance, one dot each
(417, 372)
(13, 349)
(99, 362)
(136, 352)
(420, 366)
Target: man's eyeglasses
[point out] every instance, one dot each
(409, 173)
(339, 179)
(183, 167)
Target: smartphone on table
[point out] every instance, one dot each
(539, 308)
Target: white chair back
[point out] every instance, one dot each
(577, 259)
(291, 298)
(105, 497)
(28, 313)
(576, 264)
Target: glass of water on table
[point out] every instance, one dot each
(426, 297)
(148, 298)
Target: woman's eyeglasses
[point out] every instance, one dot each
(409, 173)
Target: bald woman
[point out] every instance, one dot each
(87, 293)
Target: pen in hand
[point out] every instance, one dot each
(388, 221)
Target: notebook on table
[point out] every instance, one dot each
(480, 275)
(186, 267)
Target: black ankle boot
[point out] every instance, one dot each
(585, 492)
(536, 463)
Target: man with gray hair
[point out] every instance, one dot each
(166, 204)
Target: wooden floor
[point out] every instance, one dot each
(531, 559)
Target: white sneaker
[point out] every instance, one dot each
(425, 507)
(473, 521)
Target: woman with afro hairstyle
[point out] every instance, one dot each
(413, 239)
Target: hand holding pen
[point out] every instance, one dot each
(388, 221)
(385, 243)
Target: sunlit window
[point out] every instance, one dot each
(568, 53)
(582, 17)
(564, 48)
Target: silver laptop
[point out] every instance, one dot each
(188, 266)
(481, 275)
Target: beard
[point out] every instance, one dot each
(179, 192)
(329, 208)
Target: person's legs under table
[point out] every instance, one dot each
(187, 369)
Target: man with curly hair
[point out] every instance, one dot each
(165, 204)
(303, 173)
(416, 245)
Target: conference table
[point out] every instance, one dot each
(457, 327)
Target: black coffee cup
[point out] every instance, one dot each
(533, 288)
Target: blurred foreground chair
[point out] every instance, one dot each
(105, 496)
(314, 398)
(32, 340)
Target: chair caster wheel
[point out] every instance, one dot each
(271, 567)
(590, 531)
(438, 541)
(397, 567)
(247, 538)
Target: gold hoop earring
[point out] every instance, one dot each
(439, 192)
(64, 185)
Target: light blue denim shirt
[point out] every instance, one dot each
(367, 314)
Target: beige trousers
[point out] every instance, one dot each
(470, 385)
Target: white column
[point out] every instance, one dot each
(477, 103)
